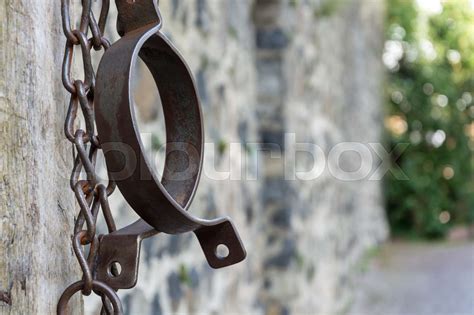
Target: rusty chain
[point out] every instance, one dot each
(139, 21)
(90, 193)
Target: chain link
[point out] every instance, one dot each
(91, 195)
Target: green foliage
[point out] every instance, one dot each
(222, 146)
(184, 276)
(430, 105)
(156, 144)
(328, 8)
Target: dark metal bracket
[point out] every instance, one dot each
(122, 247)
(162, 205)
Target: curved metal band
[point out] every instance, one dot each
(162, 204)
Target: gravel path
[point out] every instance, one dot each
(419, 279)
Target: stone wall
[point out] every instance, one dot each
(277, 73)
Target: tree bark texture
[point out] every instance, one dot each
(36, 204)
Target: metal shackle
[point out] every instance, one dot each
(162, 205)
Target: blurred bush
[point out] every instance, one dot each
(429, 95)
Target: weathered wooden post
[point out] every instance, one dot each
(36, 204)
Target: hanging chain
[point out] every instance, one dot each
(91, 195)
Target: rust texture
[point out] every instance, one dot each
(106, 102)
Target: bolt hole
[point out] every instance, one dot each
(115, 269)
(222, 251)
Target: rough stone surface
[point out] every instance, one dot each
(271, 71)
